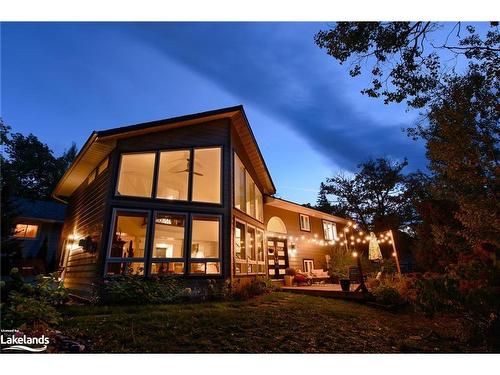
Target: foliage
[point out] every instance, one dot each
(256, 287)
(387, 295)
(407, 60)
(132, 289)
(376, 196)
(340, 261)
(32, 305)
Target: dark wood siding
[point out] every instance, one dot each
(85, 217)
(214, 133)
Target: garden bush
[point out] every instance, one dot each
(32, 305)
(387, 295)
(258, 286)
(133, 290)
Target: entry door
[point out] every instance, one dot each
(277, 257)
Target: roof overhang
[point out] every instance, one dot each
(101, 143)
(295, 207)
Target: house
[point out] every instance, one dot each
(189, 196)
(37, 229)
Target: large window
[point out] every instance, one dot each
(168, 244)
(207, 175)
(130, 251)
(136, 174)
(330, 230)
(247, 196)
(205, 245)
(128, 243)
(248, 249)
(25, 231)
(173, 175)
(176, 171)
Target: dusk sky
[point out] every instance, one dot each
(62, 81)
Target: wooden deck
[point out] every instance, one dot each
(328, 290)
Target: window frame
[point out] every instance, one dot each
(147, 242)
(24, 237)
(334, 231)
(308, 222)
(244, 203)
(156, 172)
(151, 259)
(153, 181)
(193, 216)
(247, 261)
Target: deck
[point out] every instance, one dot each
(327, 290)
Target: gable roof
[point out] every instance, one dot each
(101, 143)
(295, 207)
(40, 210)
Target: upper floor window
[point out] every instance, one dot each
(305, 223)
(136, 174)
(207, 175)
(182, 175)
(247, 196)
(330, 230)
(25, 231)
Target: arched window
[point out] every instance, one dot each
(276, 225)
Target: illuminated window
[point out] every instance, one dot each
(136, 174)
(169, 236)
(129, 235)
(305, 224)
(103, 166)
(207, 175)
(173, 176)
(167, 268)
(247, 196)
(125, 268)
(205, 245)
(248, 249)
(25, 231)
(239, 184)
(330, 230)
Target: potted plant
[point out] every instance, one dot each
(289, 275)
(345, 283)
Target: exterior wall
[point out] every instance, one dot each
(85, 217)
(49, 230)
(215, 133)
(304, 248)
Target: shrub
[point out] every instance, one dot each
(435, 293)
(132, 290)
(257, 287)
(387, 295)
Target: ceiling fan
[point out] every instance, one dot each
(187, 169)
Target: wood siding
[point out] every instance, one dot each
(85, 217)
(304, 249)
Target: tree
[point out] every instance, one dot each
(412, 61)
(376, 196)
(459, 122)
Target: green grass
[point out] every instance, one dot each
(274, 323)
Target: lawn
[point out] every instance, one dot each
(274, 323)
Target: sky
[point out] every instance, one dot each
(61, 81)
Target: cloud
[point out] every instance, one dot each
(278, 68)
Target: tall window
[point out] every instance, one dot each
(136, 174)
(239, 184)
(305, 224)
(168, 244)
(330, 230)
(128, 244)
(25, 231)
(205, 245)
(248, 249)
(173, 175)
(207, 175)
(247, 196)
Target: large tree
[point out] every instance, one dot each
(376, 196)
(451, 74)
